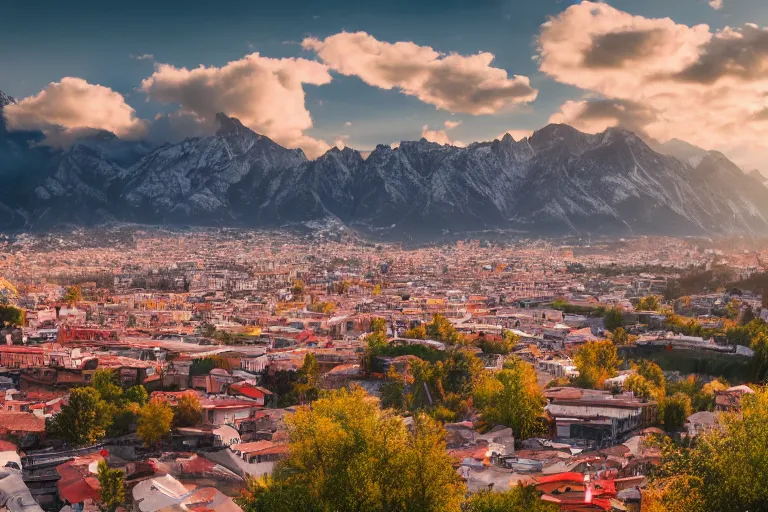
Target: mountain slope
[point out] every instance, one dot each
(557, 181)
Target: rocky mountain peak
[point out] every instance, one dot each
(230, 126)
(6, 99)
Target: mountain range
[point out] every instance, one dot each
(557, 181)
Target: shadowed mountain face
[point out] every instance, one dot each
(557, 181)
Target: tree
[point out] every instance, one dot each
(441, 329)
(620, 336)
(298, 288)
(83, 420)
(503, 346)
(111, 487)
(154, 422)
(137, 395)
(596, 361)
(378, 325)
(613, 319)
(392, 390)
(376, 290)
(519, 498)
(759, 361)
(416, 333)
(348, 455)
(73, 295)
(308, 379)
(11, 315)
(723, 471)
(105, 382)
(676, 410)
(640, 386)
(187, 412)
(649, 303)
(512, 397)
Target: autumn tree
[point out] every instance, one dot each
(596, 361)
(348, 455)
(519, 498)
(187, 412)
(649, 303)
(378, 324)
(111, 487)
(416, 333)
(154, 422)
(725, 470)
(84, 420)
(392, 390)
(73, 295)
(298, 288)
(512, 397)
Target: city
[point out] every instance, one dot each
(568, 367)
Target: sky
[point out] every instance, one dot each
(315, 74)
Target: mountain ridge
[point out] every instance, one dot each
(558, 180)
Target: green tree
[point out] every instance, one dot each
(512, 397)
(105, 382)
(111, 487)
(596, 361)
(11, 315)
(519, 498)
(504, 346)
(136, 395)
(348, 455)
(725, 470)
(83, 420)
(73, 295)
(187, 412)
(613, 319)
(676, 410)
(154, 422)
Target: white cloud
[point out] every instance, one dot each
(450, 82)
(716, 4)
(71, 106)
(449, 125)
(143, 56)
(441, 136)
(662, 78)
(265, 94)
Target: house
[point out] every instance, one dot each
(248, 389)
(598, 416)
(168, 494)
(225, 411)
(729, 400)
(700, 422)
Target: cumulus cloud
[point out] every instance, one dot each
(441, 136)
(593, 116)
(716, 4)
(452, 82)
(660, 78)
(72, 106)
(265, 94)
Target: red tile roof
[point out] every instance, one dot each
(21, 422)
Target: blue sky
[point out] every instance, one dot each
(46, 40)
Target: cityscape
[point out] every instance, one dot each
(414, 256)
